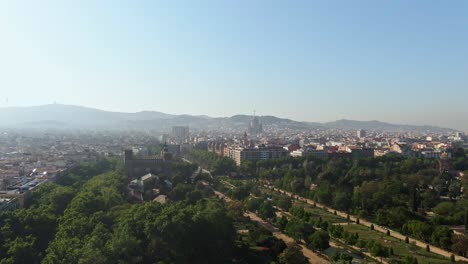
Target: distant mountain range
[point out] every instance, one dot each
(58, 116)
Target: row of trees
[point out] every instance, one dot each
(440, 236)
(305, 226)
(263, 206)
(390, 190)
(217, 164)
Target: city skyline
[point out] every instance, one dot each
(396, 62)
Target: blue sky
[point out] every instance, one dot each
(395, 61)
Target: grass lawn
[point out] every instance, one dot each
(317, 213)
(400, 248)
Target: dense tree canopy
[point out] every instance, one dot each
(25, 233)
(393, 191)
(86, 218)
(209, 160)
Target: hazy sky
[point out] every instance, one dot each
(397, 61)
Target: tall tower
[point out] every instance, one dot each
(180, 134)
(245, 139)
(255, 127)
(361, 133)
(165, 154)
(128, 154)
(128, 163)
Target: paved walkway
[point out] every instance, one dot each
(230, 186)
(363, 222)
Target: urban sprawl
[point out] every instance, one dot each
(31, 158)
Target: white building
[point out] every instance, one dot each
(361, 133)
(180, 134)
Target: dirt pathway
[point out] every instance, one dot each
(309, 254)
(379, 228)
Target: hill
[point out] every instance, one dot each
(57, 116)
(377, 125)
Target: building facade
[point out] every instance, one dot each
(240, 154)
(361, 133)
(137, 166)
(180, 134)
(255, 127)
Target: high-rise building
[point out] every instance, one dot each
(361, 133)
(164, 138)
(180, 134)
(240, 154)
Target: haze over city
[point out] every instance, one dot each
(243, 132)
(401, 62)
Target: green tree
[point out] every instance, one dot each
(292, 255)
(284, 203)
(240, 192)
(224, 166)
(341, 257)
(295, 228)
(194, 196)
(454, 190)
(442, 237)
(376, 249)
(342, 201)
(460, 244)
(418, 229)
(266, 210)
(319, 240)
(248, 167)
(282, 222)
(22, 250)
(336, 231)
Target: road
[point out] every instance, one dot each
(379, 228)
(309, 254)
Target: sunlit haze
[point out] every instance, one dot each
(233, 131)
(396, 61)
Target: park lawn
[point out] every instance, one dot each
(318, 212)
(400, 248)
